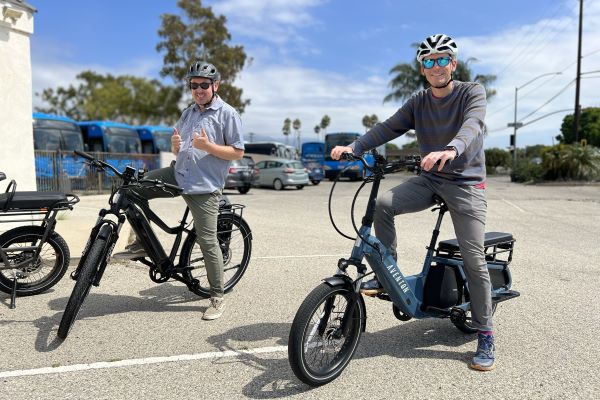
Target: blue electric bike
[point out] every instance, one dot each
(329, 323)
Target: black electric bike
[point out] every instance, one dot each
(33, 258)
(234, 235)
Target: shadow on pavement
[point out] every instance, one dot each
(412, 340)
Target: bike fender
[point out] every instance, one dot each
(336, 280)
(105, 231)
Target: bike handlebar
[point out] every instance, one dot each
(412, 163)
(102, 164)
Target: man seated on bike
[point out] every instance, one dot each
(448, 119)
(206, 138)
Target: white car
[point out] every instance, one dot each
(279, 173)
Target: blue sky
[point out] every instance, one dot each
(317, 57)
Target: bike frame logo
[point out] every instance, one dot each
(398, 278)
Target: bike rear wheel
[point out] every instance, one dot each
(82, 286)
(235, 241)
(34, 275)
(318, 350)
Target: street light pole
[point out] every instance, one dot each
(516, 125)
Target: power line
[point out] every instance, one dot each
(552, 98)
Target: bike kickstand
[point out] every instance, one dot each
(13, 294)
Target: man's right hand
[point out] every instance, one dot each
(175, 141)
(337, 151)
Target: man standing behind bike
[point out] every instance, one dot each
(206, 138)
(448, 119)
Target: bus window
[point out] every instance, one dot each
(46, 139)
(162, 140)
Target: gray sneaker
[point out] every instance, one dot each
(485, 356)
(132, 251)
(215, 310)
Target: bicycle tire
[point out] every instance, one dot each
(82, 286)
(305, 328)
(38, 275)
(235, 240)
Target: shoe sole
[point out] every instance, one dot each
(211, 317)
(482, 368)
(371, 292)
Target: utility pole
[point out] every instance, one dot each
(578, 77)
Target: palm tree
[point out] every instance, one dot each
(297, 125)
(407, 79)
(286, 130)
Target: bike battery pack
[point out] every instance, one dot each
(441, 288)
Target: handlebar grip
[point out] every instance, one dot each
(348, 156)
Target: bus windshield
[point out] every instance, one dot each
(46, 139)
(162, 140)
(123, 140)
(338, 139)
(71, 140)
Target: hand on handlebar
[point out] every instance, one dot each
(338, 151)
(437, 157)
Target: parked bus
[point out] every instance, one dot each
(155, 138)
(267, 150)
(313, 158)
(334, 167)
(120, 141)
(54, 139)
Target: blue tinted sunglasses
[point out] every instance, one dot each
(442, 62)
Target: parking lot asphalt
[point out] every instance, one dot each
(137, 339)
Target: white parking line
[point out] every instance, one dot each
(305, 256)
(514, 205)
(139, 361)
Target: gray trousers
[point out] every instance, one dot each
(204, 209)
(467, 206)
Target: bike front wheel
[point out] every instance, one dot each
(319, 347)
(235, 242)
(34, 275)
(85, 278)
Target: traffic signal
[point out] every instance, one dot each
(512, 140)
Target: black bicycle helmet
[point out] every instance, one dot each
(436, 44)
(203, 69)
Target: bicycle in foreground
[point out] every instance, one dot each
(185, 265)
(33, 258)
(328, 325)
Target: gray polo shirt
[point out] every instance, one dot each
(196, 171)
(455, 120)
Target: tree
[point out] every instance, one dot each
(317, 129)
(286, 129)
(297, 125)
(325, 121)
(589, 127)
(200, 35)
(407, 79)
(126, 98)
(369, 121)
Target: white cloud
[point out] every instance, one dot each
(520, 55)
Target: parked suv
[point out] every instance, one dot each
(241, 175)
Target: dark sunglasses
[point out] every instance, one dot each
(202, 85)
(442, 62)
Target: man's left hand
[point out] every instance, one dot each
(430, 159)
(200, 141)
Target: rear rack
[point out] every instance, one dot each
(498, 248)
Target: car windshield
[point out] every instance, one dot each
(296, 165)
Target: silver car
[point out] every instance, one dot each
(279, 173)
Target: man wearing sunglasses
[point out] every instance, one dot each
(206, 138)
(448, 119)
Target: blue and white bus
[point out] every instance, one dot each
(155, 138)
(334, 167)
(54, 139)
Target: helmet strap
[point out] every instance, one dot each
(446, 84)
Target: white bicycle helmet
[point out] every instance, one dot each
(436, 44)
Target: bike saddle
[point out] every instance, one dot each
(31, 200)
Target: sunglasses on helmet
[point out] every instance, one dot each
(442, 62)
(201, 85)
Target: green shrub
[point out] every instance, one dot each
(495, 158)
(571, 162)
(526, 171)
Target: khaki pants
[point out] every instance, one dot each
(204, 209)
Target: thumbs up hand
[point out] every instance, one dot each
(175, 141)
(200, 141)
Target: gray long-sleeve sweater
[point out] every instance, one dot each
(455, 120)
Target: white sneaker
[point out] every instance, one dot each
(215, 310)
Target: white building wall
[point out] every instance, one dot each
(16, 132)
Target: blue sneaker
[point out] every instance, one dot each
(484, 357)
